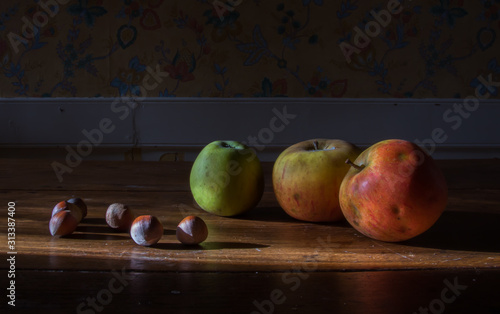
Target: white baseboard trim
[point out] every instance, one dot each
(448, 127)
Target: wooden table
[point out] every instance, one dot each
(261, 262)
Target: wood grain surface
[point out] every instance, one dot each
(247, 261)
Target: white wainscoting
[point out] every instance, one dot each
(34, 127)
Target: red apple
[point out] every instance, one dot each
(393, 192)
(307, 178)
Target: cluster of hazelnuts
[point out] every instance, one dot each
(145, 230)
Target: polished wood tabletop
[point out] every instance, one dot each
(260, 262)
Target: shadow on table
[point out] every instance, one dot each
(168, 232)
(97, 233)
(94, 221)
(97, 236)
(102, 227)
(463, 231)
(209, 246)
(96, 229)
(272, 214)
(277, 214)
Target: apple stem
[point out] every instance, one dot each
(357, 167)
(315, 143)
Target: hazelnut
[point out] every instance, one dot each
(62, 223)
(119, 216)
(80, 203)
(146, 230)
(72, 208)
(192, 230)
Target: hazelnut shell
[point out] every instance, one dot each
(119, 217)
(72, 208)
(80, 203)
(192, 230)
(62, 223)
(146, 230)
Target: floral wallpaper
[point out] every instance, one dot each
(247, 48)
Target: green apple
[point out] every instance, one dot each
(226, 178)
(307, 178)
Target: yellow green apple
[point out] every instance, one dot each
(226, 178)
(307, 177)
